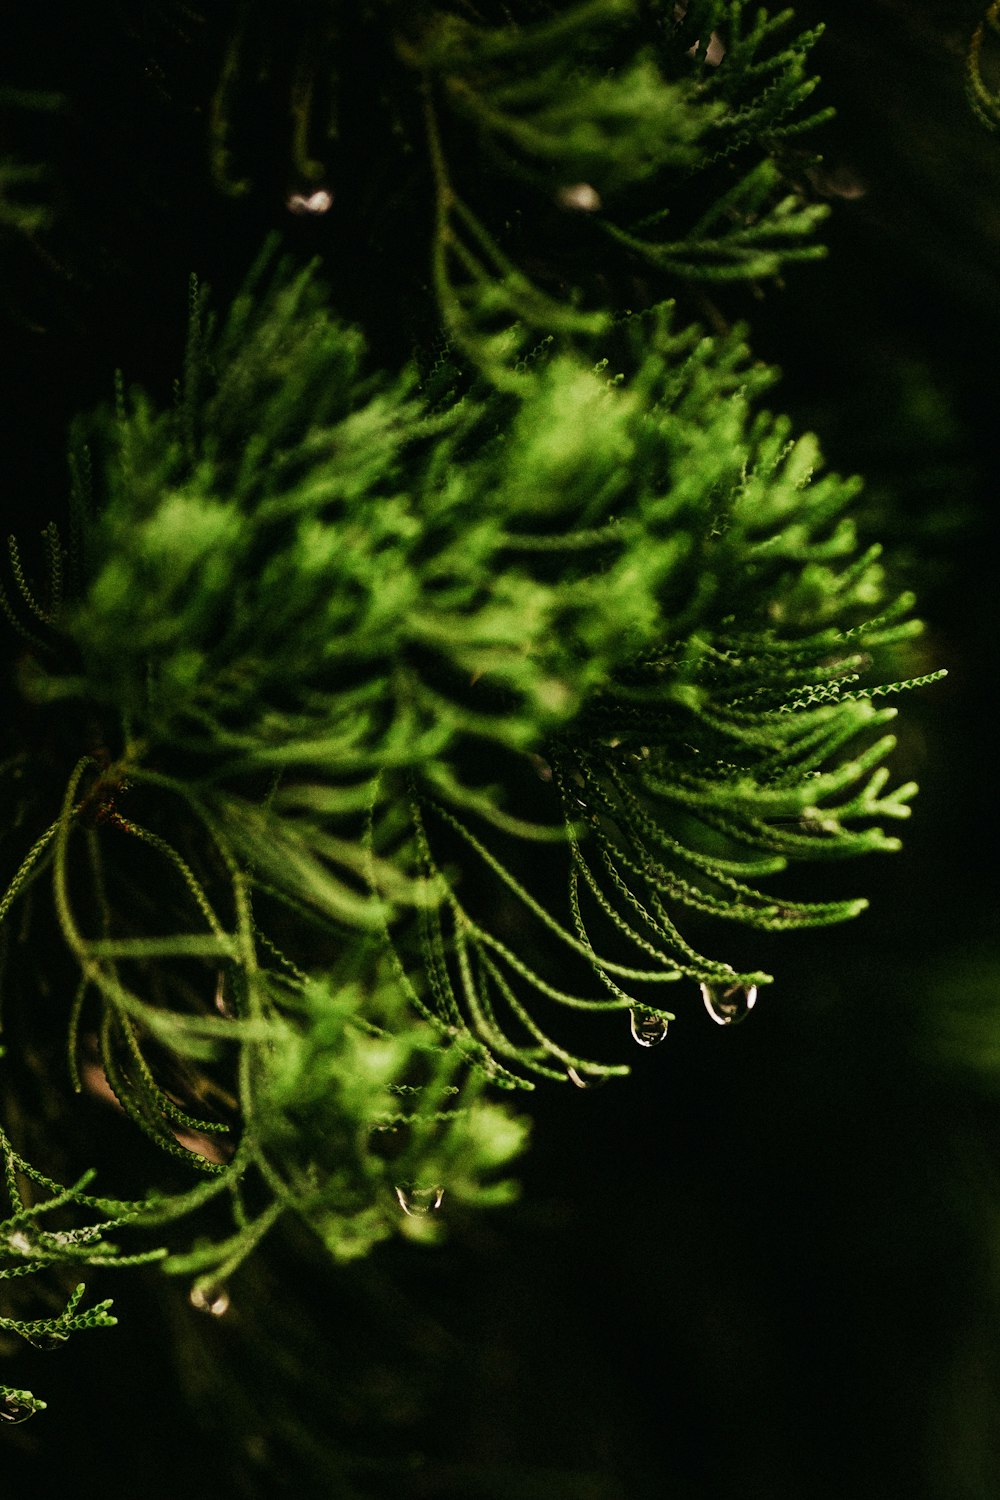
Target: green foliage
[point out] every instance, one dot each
(29, 1247)
(630, 114)
(751, 90)
(343, 600)
(623, 143)
(372, 731)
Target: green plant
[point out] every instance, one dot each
(369, 723)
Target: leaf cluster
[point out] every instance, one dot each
(29, 1247)
(668, 132)
(372, 733)
(642, 581)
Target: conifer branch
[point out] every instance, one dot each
(373, 729)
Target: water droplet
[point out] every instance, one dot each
(319, 202)
(209, 1297)
(586, 1080)
(840, 182)
(581, 197)
(418, 1201)
(15, 1408)
(84, 1235)
(49, 1338)
(648, 1030)
(729, 1005)
(222, 1002)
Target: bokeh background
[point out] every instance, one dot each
(768, 1265)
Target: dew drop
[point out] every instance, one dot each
(419, 1201)
(14, 1407)
(580, 197)
(222, 1002)
(209, 1297)
(585, 1080)
(48, 1339)
(729, 1005)
(648, 1030)
(319, 202)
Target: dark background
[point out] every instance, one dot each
(768, 1265)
